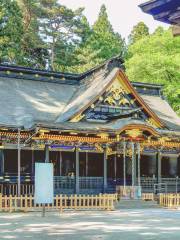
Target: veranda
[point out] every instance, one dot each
(88, 168)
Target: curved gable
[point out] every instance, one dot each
(101, 90)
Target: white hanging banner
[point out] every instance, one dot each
(44, 190)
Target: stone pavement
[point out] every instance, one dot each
(132, 220)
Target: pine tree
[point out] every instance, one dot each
(98, 44)
(60, 30)
(11, 30)
(139, 31)
(104, 39)
(34, 53)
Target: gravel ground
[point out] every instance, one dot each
(136, 223)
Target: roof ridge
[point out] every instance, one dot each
(144, 84)
(75, 76)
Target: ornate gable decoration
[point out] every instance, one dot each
(117, 102)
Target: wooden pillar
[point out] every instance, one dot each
(133, 166)
(19, 162)
(46, 153)
(139, 164)
(77, 172)
(105, 169)
(86, 164)
(158, 161)
(1, 162)
(32, 162)
(115, 166)
(124, 163)
(60, 163)
(173, 160)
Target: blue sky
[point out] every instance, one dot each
(123, 14)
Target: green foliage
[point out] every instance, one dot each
(104, 39)
(60, 28)
(156, 59)
(34, 53)
(85, 59)
(78, 56)
(101, 43)
(54, 36)
(139, 31)
(11, 30)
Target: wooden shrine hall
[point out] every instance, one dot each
(98, 129)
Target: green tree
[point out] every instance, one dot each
(85, 57)
(156, 59)
(104, 39)
(86, 31)
(34, 53)
(11, 30)
(139, 31)
(60, 29)
(98, 44)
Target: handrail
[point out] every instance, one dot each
(169, 200)
(61, 202)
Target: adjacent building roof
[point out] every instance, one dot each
(164, 111)
(167, 11)
(34, 97)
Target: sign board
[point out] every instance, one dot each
(44, 190)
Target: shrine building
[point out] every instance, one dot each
(98, 129)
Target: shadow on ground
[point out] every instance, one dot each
(124, 223)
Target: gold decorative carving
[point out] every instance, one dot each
(129, 152)
(43, 131)
(38, 146)
(117, 138)
(164, 139)
(110, 100)
(99, 148)
(116, 97)
(103, 135)
(141, 149)
(124, 101)
(117, 92)
(110, 151)
(132, 101)
(92, 106)
(77, 118)
(134, 133)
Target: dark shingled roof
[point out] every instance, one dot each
(29, 97)
(163, 110)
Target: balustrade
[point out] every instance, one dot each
(88, 185)
(61, 202)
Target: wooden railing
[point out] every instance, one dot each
(169, 185)
(11, 189)
(148, 196)
(169, 200)
(62, 185)
(61, 202)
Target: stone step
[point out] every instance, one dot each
(135, 204)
